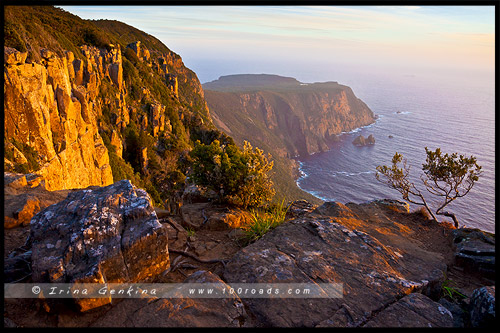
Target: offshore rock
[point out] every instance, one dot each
(179, 312)
(109, 234)
(362, 141)
(376, 269)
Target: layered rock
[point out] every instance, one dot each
(109, 234)
(376, 261)
(475, 251)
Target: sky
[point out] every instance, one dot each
(318, 43)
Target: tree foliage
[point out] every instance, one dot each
(446, 176)
(241, 177)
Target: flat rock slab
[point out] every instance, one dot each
(109, 234)
(315, 249)
(414, 310)
(179, 312)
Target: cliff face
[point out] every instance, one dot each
(57, 118)
(299, 118)
(284, 117)
(99, 103)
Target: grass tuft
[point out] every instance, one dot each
(264, 221)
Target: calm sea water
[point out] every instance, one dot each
(455, 116)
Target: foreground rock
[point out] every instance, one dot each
(482, 312)
(376, 268)
(475, 251)
(414, 310)
(179, 312)
(109, 234)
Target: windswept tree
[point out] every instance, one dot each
(446, 176)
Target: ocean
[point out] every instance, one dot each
(456, 115)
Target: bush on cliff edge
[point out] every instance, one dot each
(240, 177)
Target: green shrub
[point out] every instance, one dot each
(240, 177)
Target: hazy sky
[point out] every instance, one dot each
(313, 43)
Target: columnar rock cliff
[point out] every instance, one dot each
(57, 118)
(99, 103)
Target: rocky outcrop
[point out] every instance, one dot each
(376, 268)
(482, 311)
(212, 217)
(24, 196)
(361, 141)
(13, 56)
(50, 107)
(303, 118)
(109, 234)
(475, 251)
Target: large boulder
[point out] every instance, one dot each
(109, 234)
(318, 249)
(414, 310)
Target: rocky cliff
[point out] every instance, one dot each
(50, 106)
(299, 118)
(102, 102)
(284, 117)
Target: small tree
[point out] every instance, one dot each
(241, 177)
(446, 176)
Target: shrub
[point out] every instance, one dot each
(240, 177)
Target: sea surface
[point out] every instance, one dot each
(418, 112)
